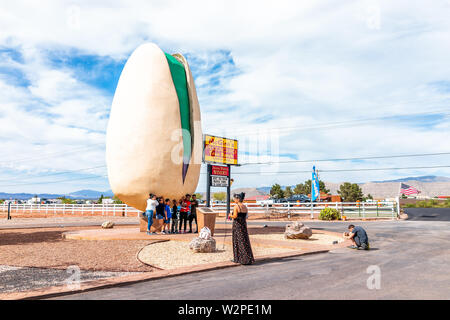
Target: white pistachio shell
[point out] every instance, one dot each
(143, 136)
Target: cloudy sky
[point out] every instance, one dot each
(292, 80)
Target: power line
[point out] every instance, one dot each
(339, 123)
(338, 170)
(353, 158)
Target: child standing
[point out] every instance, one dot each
(175, 217)
(167, 217)
(160, 211)
(183, 214)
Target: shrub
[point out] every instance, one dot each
(329, 214)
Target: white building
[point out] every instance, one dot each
(34, 200)
(107, 201)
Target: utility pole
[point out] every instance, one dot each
(208, 185)
(228, 190)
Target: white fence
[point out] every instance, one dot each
(71, 209)
(385, 209)
(380, 209)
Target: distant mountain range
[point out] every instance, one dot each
(82, 194)
(428, 185)
(420, 179)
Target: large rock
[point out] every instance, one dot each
(203, 245)
(107, 225)
(297, 230)
(144, 142)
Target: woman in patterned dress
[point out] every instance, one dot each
(242, 249)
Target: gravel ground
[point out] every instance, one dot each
(15, 279)
(316, 238)
(176, 254)
(45, 248)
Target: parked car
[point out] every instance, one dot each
(296, 198)
(267, 202)
(299, 198)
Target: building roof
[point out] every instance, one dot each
(258, 198)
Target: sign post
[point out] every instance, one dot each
(219, 154)
(208, 185)
(228, 191)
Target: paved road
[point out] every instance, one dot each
(412, 256)
(428, 214)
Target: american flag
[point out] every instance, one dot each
(407, 190)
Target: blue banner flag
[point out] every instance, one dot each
(315, 192)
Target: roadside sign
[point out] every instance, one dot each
(219, 154)
(219, 181)
(220, 150)
(220, 171)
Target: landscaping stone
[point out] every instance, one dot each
(297, 230)
(107, 225)
(203, 245)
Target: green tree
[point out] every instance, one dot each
(369, 196)
(100, 200)
(199, 196)
(116, 200)
(288, 192)
(276, 191)
(300, 189)
(305, 188)
(220, 196)
(65, 200)
(350, 192)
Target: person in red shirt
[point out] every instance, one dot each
(184, 214)
(188, 208)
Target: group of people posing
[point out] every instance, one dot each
(174, 213)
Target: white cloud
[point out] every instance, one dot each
(295, 64)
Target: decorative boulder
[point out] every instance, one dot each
(203, 245)
(297, 230)
(107, 225)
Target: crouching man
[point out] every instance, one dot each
(358, 236)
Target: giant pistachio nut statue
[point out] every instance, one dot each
(154, 134)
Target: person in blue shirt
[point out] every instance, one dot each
(358, 236)
(167, 216)
(175, 216)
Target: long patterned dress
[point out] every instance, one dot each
(242, 249)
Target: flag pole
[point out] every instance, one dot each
(312, 182)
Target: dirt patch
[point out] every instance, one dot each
(45, 248)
